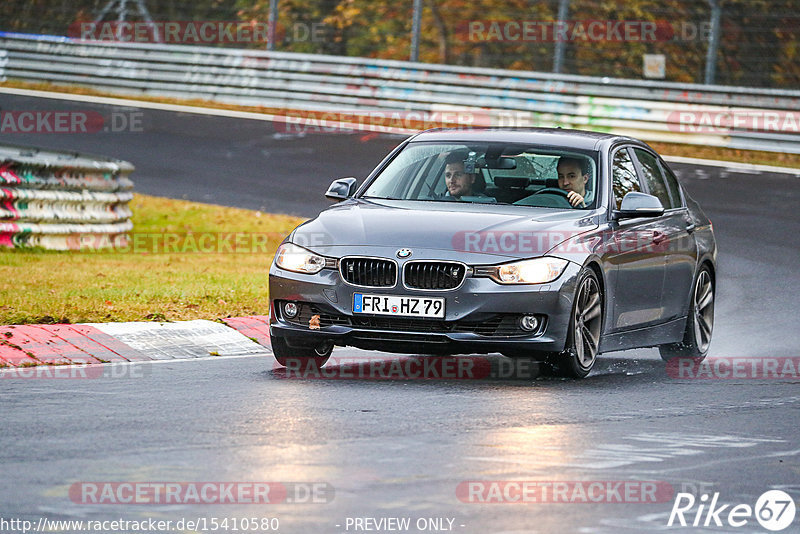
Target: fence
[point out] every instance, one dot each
(62, 201)
(733, 117)
(729, 42)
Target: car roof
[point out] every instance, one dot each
(562, 137)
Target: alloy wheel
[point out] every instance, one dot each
(703, 311)
(587, 322)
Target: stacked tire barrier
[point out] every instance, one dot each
(732, 117)
(63, 201)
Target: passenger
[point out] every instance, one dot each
(459, 183)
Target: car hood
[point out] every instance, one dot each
(469, 232)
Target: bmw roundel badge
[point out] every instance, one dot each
(404, 253)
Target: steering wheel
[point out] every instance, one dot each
(560, 194)
(553, 191)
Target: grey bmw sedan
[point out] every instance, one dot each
(547, 244)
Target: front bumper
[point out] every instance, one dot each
(480, 316)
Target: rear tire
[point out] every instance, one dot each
(699, 323)
(583, 335)
(300, 358)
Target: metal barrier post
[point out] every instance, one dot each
(415, 30)
(713, 42)
(558, 55)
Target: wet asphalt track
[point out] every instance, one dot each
(400, 448)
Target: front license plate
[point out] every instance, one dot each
(399, 306)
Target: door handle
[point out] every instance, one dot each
(691, 227)
(658, 237)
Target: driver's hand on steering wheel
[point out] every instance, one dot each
(575, 199)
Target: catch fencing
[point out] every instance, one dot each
(707, 115)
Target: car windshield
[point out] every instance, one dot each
(489, 173)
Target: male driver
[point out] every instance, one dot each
(459, 183)
(572, 177)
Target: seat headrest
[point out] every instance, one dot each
(480, 184)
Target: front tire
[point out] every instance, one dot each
(300, 358)
(699, 323)
(585, 326)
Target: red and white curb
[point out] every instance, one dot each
(67, 344)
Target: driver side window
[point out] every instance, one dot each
(623, 174)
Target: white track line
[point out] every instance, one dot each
(747, 167)
(114, 101)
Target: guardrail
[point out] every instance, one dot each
(63, 201)
(734, 117)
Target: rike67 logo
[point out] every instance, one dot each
(774, 510)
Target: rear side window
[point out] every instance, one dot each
(653, 177)
(673, 188)
(624, 178)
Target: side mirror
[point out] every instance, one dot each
(636, 204)
(341, 189)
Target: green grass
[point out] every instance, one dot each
(136, 284)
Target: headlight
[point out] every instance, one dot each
(536, 271)
(298, 260)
